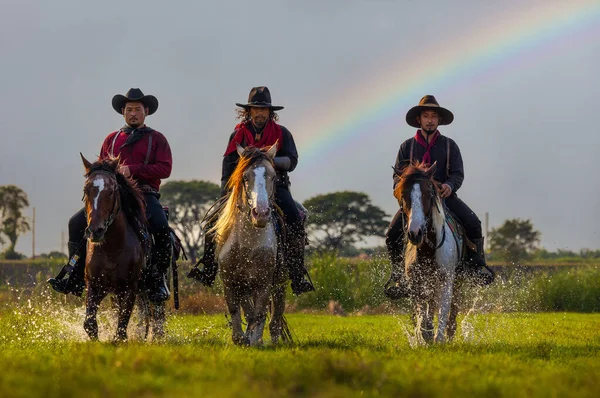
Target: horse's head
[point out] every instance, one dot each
(258, 177)
(417, 195)
(101, 197)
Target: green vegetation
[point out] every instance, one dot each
(356, 285)
(45, 354)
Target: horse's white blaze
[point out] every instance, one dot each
(416, 218)
(259, 191)
(98, 182)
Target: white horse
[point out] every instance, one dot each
(432, 253)
(247, 252)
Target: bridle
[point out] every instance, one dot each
(433, 197)
(250, 201)
(116, 207)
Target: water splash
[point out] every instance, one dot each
(43, 317)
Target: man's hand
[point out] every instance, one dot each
(445, 191)
(125, 171)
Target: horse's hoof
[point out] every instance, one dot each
(241, 340)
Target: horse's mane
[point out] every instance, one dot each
(414, 172)
(132, 198)
(235, 188)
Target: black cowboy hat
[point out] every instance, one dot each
(428, 103)
(260, 97)
(134, 94)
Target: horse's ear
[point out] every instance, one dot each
(240, 149)
(86, 162)
(397, 171)
(272, 151)
(431, 170)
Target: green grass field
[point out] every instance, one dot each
(44, 353)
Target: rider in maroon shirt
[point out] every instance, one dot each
(146, 157)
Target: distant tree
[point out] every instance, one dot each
(188, 202)
(339, 219)
(53, 255)
(514, 240)
(13, 200)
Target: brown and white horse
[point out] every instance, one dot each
(431, 255)
(247, 252)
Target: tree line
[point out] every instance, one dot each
(337, 222)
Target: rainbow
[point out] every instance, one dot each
(486, 51)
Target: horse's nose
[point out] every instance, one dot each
(415, 236)
(260, 212)
(97, 233)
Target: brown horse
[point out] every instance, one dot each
(432, 253)
(250, 263)
(115, 253)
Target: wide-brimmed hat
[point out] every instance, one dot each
(259, 97)
(135, 94)
(428, 103)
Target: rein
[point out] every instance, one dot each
(437, 207)
(116, 203)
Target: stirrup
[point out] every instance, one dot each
(302, 286)
(63, 286)
(202, 276)
(396, 289)
(484, 278)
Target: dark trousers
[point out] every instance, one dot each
(466, 216)
(157, 224)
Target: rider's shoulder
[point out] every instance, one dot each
(407, 142)
(285, 130)
(158, 134)
(450, 140)
(111, 135)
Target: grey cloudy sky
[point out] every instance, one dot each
(527, 127)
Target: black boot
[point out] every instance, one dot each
(397, 286)
(74, 271)
(208, 273)
(156, 282)
(294, 258)
(477, 269)
(158, 289)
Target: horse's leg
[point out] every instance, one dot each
(454, 308)
(144, 316)
(93, 299)
(248, 307)
(276, 324)
(233, 305)
(125, 302)
(445, 304)
(158, 321)
(425, 312)
(256, 324)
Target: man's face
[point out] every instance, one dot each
(134, 113)
(259, 116)
(429, 121)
